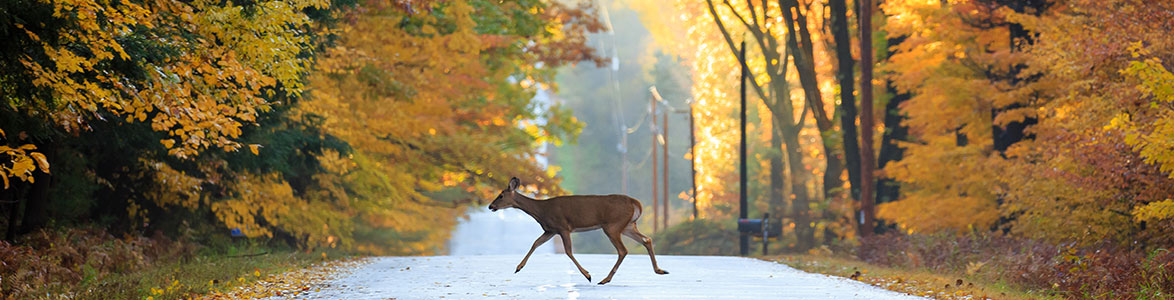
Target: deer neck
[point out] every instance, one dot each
(529, 205)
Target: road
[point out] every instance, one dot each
(553, 276)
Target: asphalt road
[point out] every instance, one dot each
(553, 276)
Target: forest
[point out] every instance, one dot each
(354, 126)
(1035, 137)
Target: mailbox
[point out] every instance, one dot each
(760, 227)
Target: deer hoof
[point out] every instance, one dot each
(588, 277)
(519, 269)
(661, 272)
(605, 281)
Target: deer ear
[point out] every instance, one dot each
(514, 182)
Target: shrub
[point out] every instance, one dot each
(1100, 272)
(698, 237)
(53, 261)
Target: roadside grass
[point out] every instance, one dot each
(913, 281)
(89, 263)
(198, 275)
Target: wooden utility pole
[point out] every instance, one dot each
(693, 158)
(653, 132)
(867, 161)
(743, 239)
(664, 132)
(624, 159)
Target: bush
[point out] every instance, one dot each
(1101, 272)
(51, 262)
(698, 237)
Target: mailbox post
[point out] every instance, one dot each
(760, 228)
(765, 231)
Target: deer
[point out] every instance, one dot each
(562, 215)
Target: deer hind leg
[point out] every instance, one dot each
(566, 235)
(613, 233)
(541, 240)
(635, 234)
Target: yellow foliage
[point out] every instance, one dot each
(1161, 210)
(173, 187)
(961, 199)
(22, 162)
(227, 63)
(1155, 140)
(949, 174)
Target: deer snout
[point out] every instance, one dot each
(492, 207)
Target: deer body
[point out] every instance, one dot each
(615, 214)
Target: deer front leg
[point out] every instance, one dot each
(538, 242)
(566, 235)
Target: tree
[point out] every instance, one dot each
(955, 63)
(439, 108)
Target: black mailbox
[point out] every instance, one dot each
(760, 227)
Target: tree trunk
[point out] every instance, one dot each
(777, 196)
(800, 204)
(11, 196)
(846, 78)
(887, 189)
(37, 201)
(1013, 132)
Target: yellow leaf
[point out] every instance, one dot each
(168, 143)
(42, 162)
(255, 148)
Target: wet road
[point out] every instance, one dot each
(553, 276)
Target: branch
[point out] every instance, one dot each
(733, 48)
(754, 30)
(803, 114)
(750, 5)
(768, 53)
(796, 25)
(739, 16)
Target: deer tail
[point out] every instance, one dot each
(639, 210)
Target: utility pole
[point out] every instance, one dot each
(665, 141)
(867, 160)
(624, 159)
(653, 132)
(693, 158)
(743, 239)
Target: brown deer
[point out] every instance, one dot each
(615, 214)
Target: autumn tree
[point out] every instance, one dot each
(195, 71)
(164, 114)
(1095, 170)
(440, 108)
(1087, 165)
(952, 62)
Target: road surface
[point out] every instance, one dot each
(553, 276)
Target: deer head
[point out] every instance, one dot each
(508, 197)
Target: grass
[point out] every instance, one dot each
(912, 281)
(198, 275)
